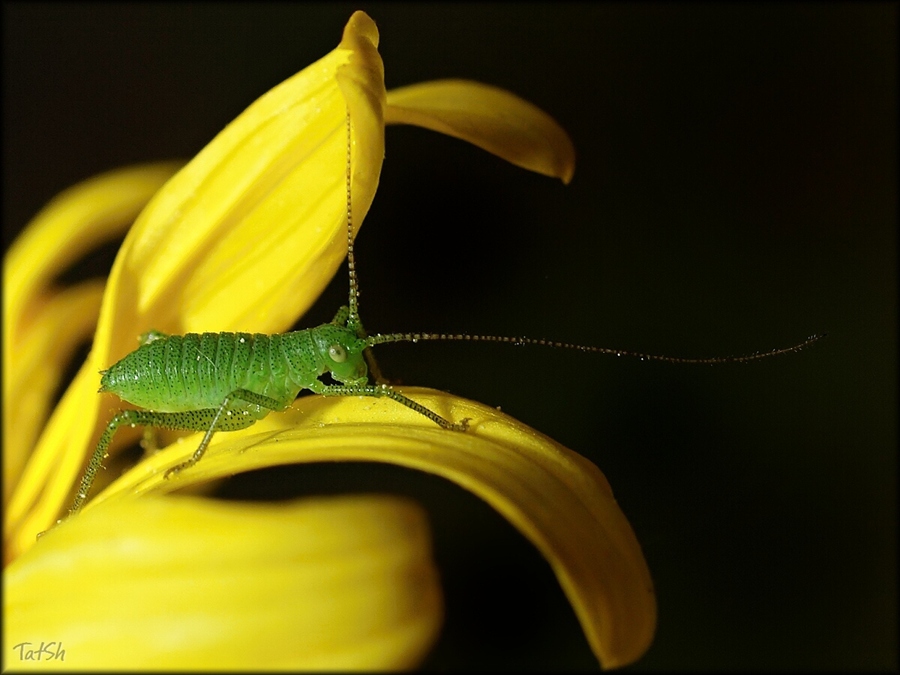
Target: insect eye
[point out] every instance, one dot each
(337, 353)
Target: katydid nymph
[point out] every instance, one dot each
(213, 382)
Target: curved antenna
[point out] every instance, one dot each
(372, 340)
(416, 337)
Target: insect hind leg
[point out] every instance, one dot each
(209, 420)
(194, 420)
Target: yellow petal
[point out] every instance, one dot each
(82, 217)
(53, 467)
(185, 583)
(555, 497)
(47, 343)
(79, 219)
(247, 235)
(491, 118)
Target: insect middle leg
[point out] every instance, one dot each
(385, 391)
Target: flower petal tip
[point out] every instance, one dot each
(494, 119)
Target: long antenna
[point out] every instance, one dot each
(416, 337)
(353, 318)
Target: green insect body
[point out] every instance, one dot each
(227, 381)
(200, 370)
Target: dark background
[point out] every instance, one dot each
(735, 192)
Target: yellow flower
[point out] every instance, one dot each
(245, 237)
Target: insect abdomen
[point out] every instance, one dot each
(193, 371)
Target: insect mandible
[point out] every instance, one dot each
(214, 382)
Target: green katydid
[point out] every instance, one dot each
(214, 382)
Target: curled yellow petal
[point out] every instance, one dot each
(185, 583)
(41, 326)
(79, 219)
(491, 118)
(53, 467)
(555, 497)
(47, 343)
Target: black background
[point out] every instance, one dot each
(735, 191)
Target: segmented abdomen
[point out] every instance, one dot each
(193, 371)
